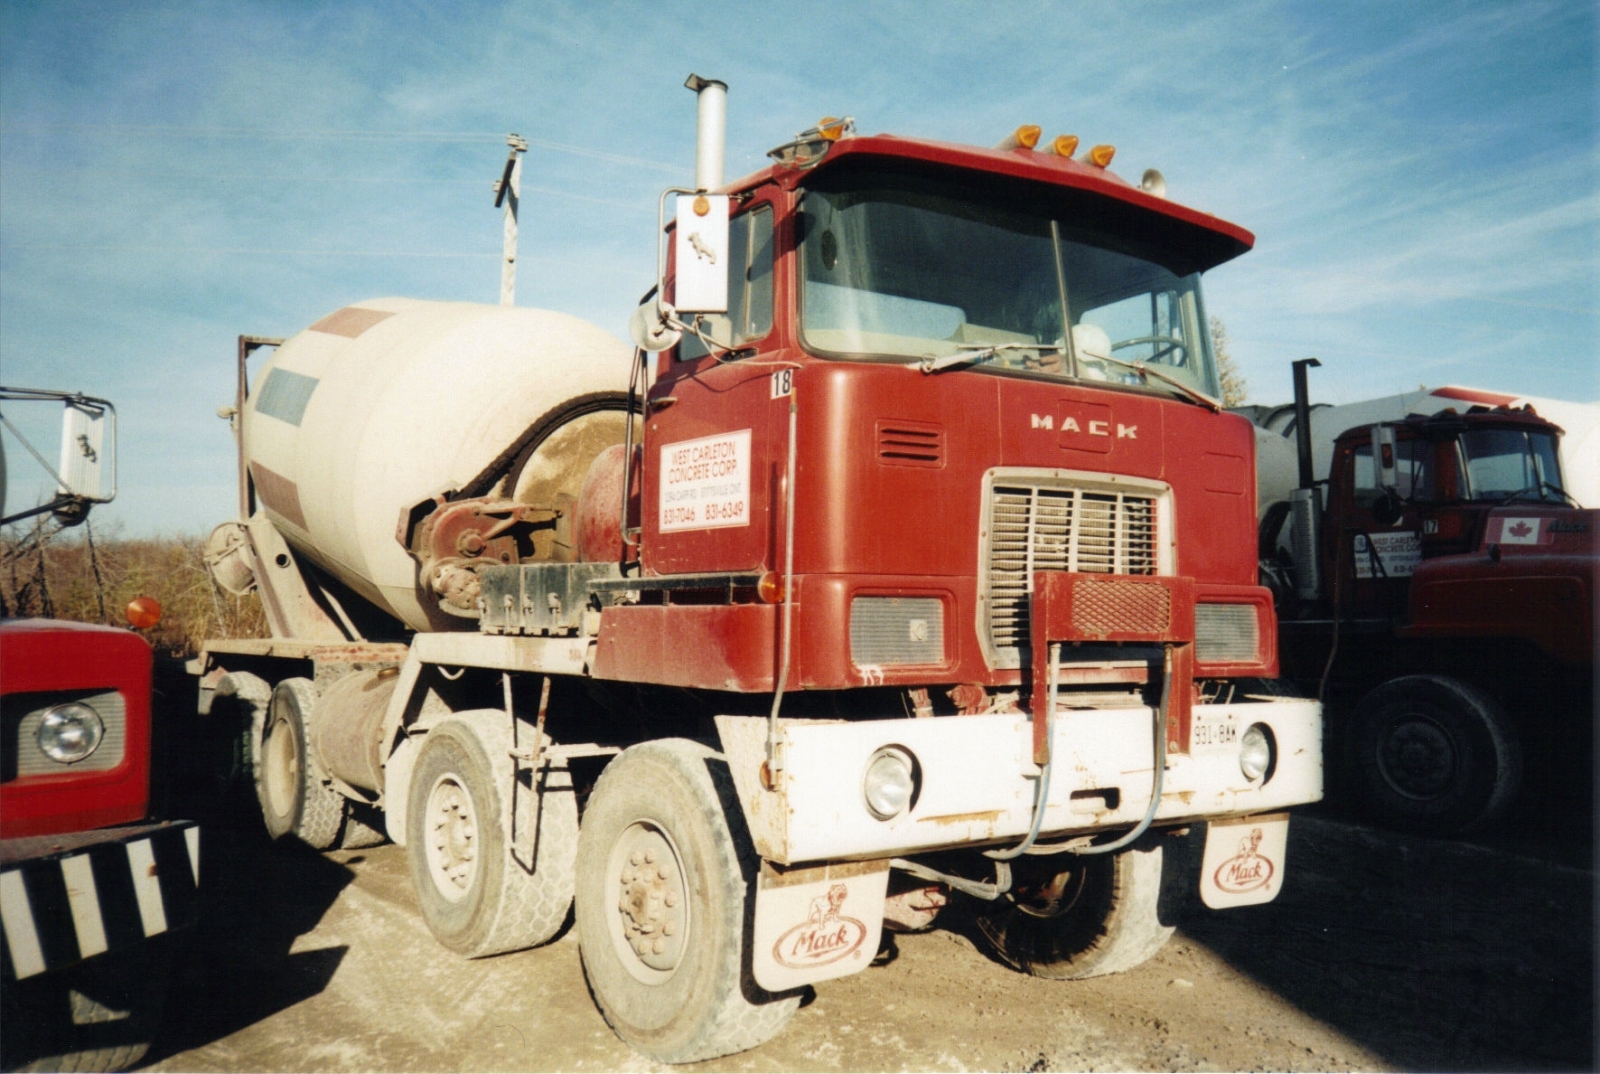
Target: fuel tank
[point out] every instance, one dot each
(385, 403)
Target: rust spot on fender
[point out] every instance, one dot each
(988, 816)
(1186, 797)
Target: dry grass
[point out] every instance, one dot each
(47, 571)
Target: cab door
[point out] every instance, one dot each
(716, 424)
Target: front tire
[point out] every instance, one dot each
(1099, 915)
(475, 897)
(99, 1015)
(1433, 756)
(664, 902)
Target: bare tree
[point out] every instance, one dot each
(1234, 389)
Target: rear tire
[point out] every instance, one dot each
(1433, 756)
(294, 799)
(664, 904)
(476, 898)
(1098, 915)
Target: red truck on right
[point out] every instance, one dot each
(1437, 587)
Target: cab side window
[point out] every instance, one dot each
(1413, 472)
(749, 315)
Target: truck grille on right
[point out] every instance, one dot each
(1041, 528)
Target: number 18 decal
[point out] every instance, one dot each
(782, 383)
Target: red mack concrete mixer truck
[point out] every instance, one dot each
(908, 553)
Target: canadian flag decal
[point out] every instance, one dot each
(1517, 531)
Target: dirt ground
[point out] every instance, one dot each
(1383, 952)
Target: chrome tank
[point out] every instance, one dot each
(388, 402)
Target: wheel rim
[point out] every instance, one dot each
(1051, 896)
(1418, 758)
(648, 913)
(283, 766)
(451, 845)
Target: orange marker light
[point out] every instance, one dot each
(831, 128)
(1101, 155)
(1024, 137)
(1065, 145)
(770, 588)
(143, 612)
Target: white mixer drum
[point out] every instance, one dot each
(383, 404)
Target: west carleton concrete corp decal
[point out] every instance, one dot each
(705, 483)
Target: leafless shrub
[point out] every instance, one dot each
(91, 577)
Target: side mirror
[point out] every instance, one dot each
(1383, 458)
(649, 329)
(1387, 508)
(700, 253)
(88, 468)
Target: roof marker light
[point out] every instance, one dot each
(1065, 145)
(832, 128)
(1100, 155)
(1024, 137)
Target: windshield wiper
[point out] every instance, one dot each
(930, 364)
(1145, 371)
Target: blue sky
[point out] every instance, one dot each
(1423, 179)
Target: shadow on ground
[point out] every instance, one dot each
(1438, 955)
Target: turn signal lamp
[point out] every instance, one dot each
(770, 589)
(1024, 137)
(1064, 145)
(143, 612)
(831, 128)
(1100, 155)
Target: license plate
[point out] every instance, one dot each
(1244, 860)
(1214, 734)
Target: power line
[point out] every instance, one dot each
(120, 180)
(281, 134)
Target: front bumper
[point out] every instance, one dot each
(977, 779)
(66, 898)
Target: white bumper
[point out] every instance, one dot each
(976, 786)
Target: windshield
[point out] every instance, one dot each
(1500, 463)
(900, 269)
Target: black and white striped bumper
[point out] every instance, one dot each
(66, 898)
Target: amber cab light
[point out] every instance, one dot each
(1064, 145)
(1024, 137)
(1101, 155)
(143, 612)
(770, 589)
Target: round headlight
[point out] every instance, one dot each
(889, 783)
(71, 732)
(1255, 752)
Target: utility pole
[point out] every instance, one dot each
(507, 191)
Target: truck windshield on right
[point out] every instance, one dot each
(1444, 602)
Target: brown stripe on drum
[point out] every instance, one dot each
(278, 493)
(351, 321)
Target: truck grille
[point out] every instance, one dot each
(1040, 528)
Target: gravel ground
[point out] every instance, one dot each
(1383, 952)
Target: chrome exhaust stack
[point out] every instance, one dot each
(711, 130)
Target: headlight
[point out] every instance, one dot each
(1255, 752)
(890, 782)
(71, 732)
